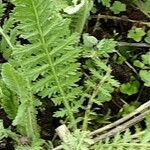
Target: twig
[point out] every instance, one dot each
(60, 147)
(127, 63)
(122, 120)
(119, 128)
(116, 130)
(121, 44)
(122, 127)
(63, 132)
(124, 18)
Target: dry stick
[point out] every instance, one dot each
(122, 127)
(118, 129)
(122, 120)
(99, 16)
(58, 147)
(63, 132)
(121, 44)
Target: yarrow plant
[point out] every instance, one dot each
(48, 66)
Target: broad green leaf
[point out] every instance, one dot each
(136, 34)
(118, 7)
(146, 58)
(146, 6)
(106, 3)
(147, 38)
(130, 88)
(145, 76)
(139, 64)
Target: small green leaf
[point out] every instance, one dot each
(128, 108)
(106, 3)
(145, 76)
(146, 6)
(89, 41)
(136, 34)
(130, 88)
(139, 64)
(146, 58)
(118, 7)
(147, 38)
(106, 46)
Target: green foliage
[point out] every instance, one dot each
(8, 101)
(139, 64)
(1, 9)
(77, 141)
(139, 140)
(105, 47)
(79, 14)
(128, 108)
(7, 42)
(118, 7)
(147, 38)
(14, 81)
(100, 83)
(52, 48)
(144, 6)
(136, 34)
(3, 132)
(146, 58)
(106, 3)
(127, 141)
(145, 76)
(130, 88)
(47, 66)
(48, 52)
(25, 118)
(145, 68)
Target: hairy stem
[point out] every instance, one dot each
(91, 100)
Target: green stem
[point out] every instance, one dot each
(91, 100)
(65, 102)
